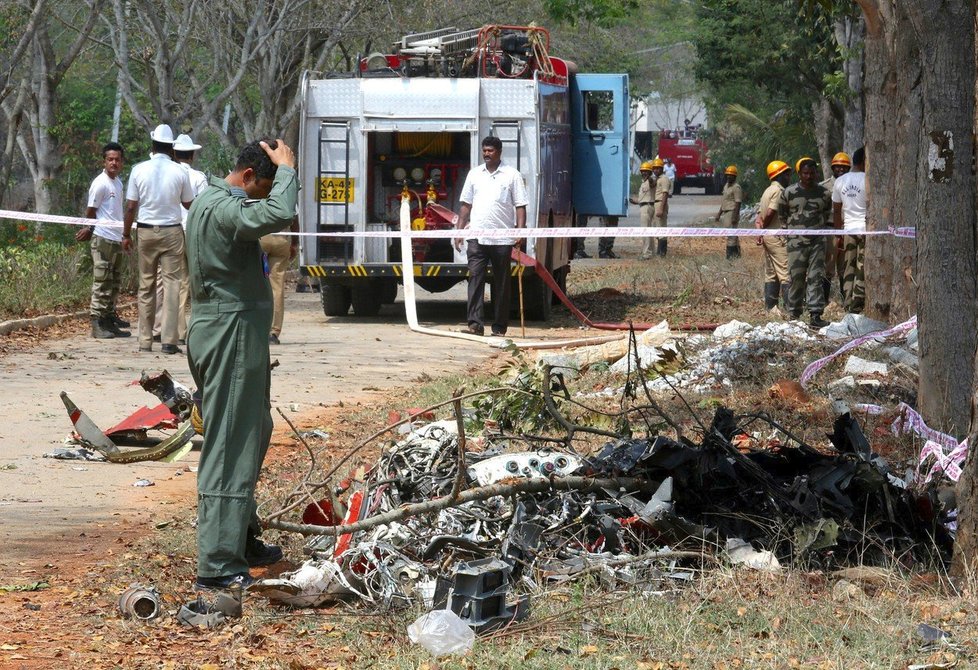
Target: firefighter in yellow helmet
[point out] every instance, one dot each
(660, 210)
(645, 201)
(729, 214)
(841, 164)
(775, 248)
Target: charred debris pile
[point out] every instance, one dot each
(479, 520)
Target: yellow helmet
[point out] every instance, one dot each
(802, 160)
(731, 169)
(774, 168)
(657, 162)
(646, 167)
(841, 158)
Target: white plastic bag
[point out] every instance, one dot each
(441, 632)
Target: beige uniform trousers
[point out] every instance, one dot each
(278, 248)
(183, 311)
(775, 259)
(645, 210)
(160, 249)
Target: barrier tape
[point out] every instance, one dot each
(948, 454)
(532, 233)
(813, 368)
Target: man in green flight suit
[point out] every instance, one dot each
(227, 349)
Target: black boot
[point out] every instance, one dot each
(109, 325)
(99, 331)
(785, 288)
(662, 247)
(733, 252)
(817, 321)
(770, 294)
(117, 321)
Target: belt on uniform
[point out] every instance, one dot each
(229, 306)
(643, 204)
(155, 227)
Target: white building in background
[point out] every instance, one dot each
(652, 113)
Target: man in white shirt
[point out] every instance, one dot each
(156, 191)
(493, 198)
(669, 170)
(184, 151)
(849, 201)
(108, 261)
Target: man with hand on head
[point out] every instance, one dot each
(228, 354)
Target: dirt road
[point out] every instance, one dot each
(52, 508)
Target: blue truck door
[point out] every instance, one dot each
(599, 122)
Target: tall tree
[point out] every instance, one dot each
(58, 35)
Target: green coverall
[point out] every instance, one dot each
(227, 349)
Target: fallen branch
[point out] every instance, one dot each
(472, 495)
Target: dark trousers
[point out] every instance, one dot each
(480, 256)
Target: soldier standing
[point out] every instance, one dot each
(645, 201)
(729, 214)
(228, 354)
(108, 261)
(806, 205)
(660, 213)
(841, 164)
(775, 249)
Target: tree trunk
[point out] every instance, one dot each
(850, 33)
(828, 132)
(965, 564)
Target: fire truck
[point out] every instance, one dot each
(410, 123)
(689, 154)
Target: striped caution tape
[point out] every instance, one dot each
(679, 231)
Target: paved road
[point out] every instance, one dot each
(50, 508)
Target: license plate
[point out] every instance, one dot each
(333, 189)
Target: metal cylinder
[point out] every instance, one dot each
(140, 602)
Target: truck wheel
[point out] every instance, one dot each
(536, 298)
(560, 276)
(388, 291)
(336, 299)
(366, 299)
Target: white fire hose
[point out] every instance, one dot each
(411, 309)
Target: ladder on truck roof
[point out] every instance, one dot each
(438, 42)
(509, 133)
(335, 190)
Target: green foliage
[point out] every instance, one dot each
(605, 13)
(523, 410)
(40, 276)
(764, 66)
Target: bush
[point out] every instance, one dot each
(49, 277)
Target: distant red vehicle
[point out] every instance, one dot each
(689, 154)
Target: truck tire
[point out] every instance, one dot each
(536, 298)
(388, 291)
(336, 299)
(366, 299)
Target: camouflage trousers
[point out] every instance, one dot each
(108, 261)
(806, 269)
(833, 258)
(853, 282)
(733, 242)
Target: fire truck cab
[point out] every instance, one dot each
(411, 122)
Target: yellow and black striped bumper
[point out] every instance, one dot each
(389, 270)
